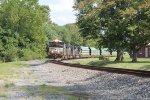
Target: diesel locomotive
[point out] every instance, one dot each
(58, 49)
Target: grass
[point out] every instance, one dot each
(7, 70)
(142, 64)
(54, 91)
(44, 89)
(8, 85)
(3, 95)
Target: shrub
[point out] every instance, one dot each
(101, 57)
(28, 54)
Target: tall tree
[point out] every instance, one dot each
(95, 18)
(137, 18)
(73, 29)
(23, 21)
(118, 23)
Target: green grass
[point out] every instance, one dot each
(45, 89)
(42, 90)
(3, 95)
(8, 85)
(142, 64)
(7, 70)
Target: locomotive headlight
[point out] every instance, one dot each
(52, 51)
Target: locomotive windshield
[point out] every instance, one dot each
(56, 44)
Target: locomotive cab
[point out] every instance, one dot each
(55, 49)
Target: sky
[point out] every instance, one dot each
(61, 11)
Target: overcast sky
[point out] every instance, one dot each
(61, 11)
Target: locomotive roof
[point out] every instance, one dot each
(56, 40)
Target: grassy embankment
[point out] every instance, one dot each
(142, 64)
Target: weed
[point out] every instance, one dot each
(8, 85)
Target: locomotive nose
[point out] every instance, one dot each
(56, 51)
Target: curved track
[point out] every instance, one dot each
(140, 73)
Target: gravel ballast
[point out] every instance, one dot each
(87, 84)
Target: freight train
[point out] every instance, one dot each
(59, 49)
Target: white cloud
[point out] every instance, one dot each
(62, 12)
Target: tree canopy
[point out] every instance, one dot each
(68, 33)
(26, 27)
(22, 29)
(120, 25)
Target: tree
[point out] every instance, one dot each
(73, 29)
(118, 24)
(99, 19)
(22, 23)
(68, 33)
(137, 17)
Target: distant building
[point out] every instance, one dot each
(144, 52)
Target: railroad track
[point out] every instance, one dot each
(140, 73)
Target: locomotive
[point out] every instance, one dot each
(58, 49)
(55, 49)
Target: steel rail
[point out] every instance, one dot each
(140, 73)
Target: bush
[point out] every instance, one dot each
(104, 58)
(101, 57)
(9, 55)
(28, 54)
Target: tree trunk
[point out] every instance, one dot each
(119, 55)
(100, 51)
(4, 59)
(110, 52)
(134, 56)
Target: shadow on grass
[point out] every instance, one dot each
(146, 67)
(101, 63)
(45, 92)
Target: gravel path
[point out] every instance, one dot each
(87, 84)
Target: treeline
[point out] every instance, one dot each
(119, 25)
(22, 24)
(26, 27)
(68, 33)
